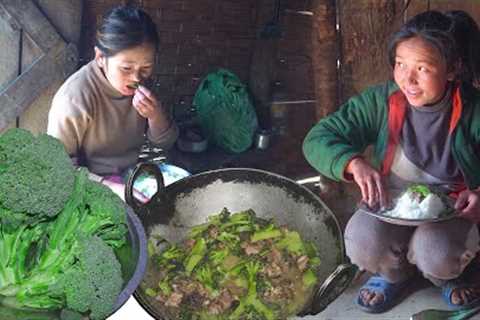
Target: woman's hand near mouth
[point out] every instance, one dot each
(147, 106)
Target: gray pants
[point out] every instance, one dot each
(440, 251)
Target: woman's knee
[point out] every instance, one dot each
(443, 250)
(369, 240)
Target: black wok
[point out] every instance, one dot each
(174, 209)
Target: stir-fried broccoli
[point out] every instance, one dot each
(36, 177)
(235, 266)
(58, 230)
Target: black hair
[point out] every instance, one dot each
(125, 27)
(455, 34)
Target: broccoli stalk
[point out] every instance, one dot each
(198, 252)
(14, 250)
(267, 233)
(251, 300)
(204, 274)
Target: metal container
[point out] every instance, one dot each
(262, 139)
(190, 201)
(132, 257)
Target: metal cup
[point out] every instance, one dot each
(262, 139)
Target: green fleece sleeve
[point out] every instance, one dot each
(337, 138)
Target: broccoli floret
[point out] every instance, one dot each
(251, 302)
(12, 143)
(57, 230)
(94, 282)
(64, 245)
(36, 176)
(105, 216)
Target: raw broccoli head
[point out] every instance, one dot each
(84, 284)
(105, 216)
(36, 175)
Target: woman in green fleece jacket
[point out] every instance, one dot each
(424, 128)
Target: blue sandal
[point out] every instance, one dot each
(392, 294)
(447, 291)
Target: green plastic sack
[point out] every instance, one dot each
(225, 111)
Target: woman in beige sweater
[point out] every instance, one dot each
(103, 113)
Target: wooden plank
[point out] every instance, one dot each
(10, 52)
(262, 64)
(16, 97)
(65, 16)
(261, 78)
(26, 14)
(366, 26)
(30, 51)
(294, 67)
(324, 56)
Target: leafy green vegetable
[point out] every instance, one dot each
(268, 233)
(198, 251)
(421, 189)
(58, 230)
(309, 278)
(292, 242)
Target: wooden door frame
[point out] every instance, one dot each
(57, 60)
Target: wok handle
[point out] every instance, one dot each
(332, 287)
(139, 207)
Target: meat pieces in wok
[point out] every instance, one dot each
(235, 266)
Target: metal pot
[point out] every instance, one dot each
(188, 202)
(132, 257)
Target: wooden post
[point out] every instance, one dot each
(325, 56)
(263, 65)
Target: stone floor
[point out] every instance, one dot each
(344, 308)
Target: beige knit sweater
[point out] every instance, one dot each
(99, 127)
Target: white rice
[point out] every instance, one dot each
(408, 208)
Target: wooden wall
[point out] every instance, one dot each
(327, 51)
(199, 36)
(38, 40)
(195, 38)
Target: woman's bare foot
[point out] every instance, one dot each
(371, 298)
(465, 295)
(378, 295)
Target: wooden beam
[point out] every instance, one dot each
(25, 13)
(16, 97)
(10, 51)
(324, 56)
